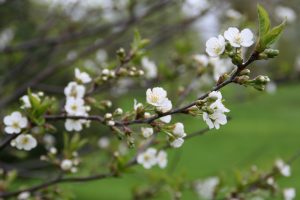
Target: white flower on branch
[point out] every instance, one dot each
(15, 123)
(215, 46)
(158, 98)
(165, 106)
(74, 90)
(178, 130)
(150, 68)
(147, 132)
(239, 39)
(289, 193)
(205, 189)
(83, 77)
(75, 106)
(162, 159)
(25, 142)
(66, 164)
(179, 134)
(24, 196)
(283, 168)
(147, 158)
(216, 116)
(73, 125)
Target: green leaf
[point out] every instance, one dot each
(264, 21)
(272, 36)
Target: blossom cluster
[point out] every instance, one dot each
(75, 105)
(151, 157)
(214, 114)
(215, 46)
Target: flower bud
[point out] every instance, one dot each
(245, 72)
(271, 53)
(119, 111)
(110, 123)
(121, 53)
(108, 116)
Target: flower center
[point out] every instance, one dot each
(15, 125)
(74, 107)
(238, 38)
(154, 98)
(24, 140)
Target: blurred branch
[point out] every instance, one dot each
(49, 70)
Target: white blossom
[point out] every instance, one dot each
(205, 189)
(66, 164)
(75, 106)
(150, 68)
(147, 132)
(15, 122)
(83, 77)
(156, 96)
(178, 130)
(165, 106)
(24, 195)
(239, 39)
(283, 168)
(217, 117)
(215, 46)
(74, 90)
(214, 120)
(287, 13)
(73, 125)
(25, 142)
(147, 158)
(162, 159)
(289, 193)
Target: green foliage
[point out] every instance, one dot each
(267, 36)
(72, 144)
(38, 107)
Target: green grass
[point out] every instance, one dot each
(262, 129)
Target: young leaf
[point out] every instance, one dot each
(272, 36)
(264, 21)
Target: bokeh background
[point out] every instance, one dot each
(42, 41)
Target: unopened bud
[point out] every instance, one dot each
(245, 72)
(271, 53)
(108, 115)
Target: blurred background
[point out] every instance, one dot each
(42, 41)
